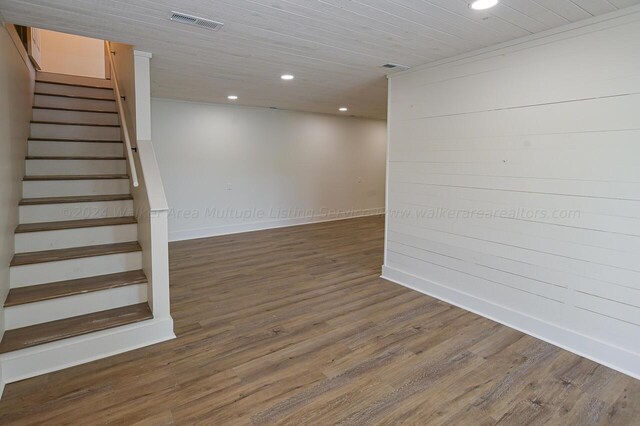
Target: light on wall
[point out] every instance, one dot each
(483, 4)
(286, 77)
(232, 97)
(343, 109)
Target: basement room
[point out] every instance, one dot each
(320, 212)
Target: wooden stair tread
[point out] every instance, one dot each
(74, 140)
(74, 199)
(73, 253)
(59, 83)
(76, 109)
(68, 123)
(92, 98)
(74, 224)
(50, 157)
(53, 331)
(74, 177)
(37, 293)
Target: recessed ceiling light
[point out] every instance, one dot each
(286, 77)
(232, 97)
(483, 4)
(343, 109)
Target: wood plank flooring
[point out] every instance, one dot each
(294, 326)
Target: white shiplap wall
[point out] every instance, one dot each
(543, 127)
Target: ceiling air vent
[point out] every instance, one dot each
(396, 67)
(184, 18)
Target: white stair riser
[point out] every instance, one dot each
(76, 167)
(60, 89)
(75, 211)
(75, 149)
(37, 360)
(74, 103)
(62, 116)
(81, 237)
(71, 306)
(68, 188)
(40, 273)
(72, 79)
(57, 131)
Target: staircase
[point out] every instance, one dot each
(77, 267)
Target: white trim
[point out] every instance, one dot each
(260, 226)
(386, 174)
(142, 76)
(42, 359)
(11, 30)
(601, 352)
(618, 17)
(143, 54)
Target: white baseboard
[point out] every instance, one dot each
(216, 231)
(31, 362)
(601, 352)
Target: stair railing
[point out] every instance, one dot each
(123, 120)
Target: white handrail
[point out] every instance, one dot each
(123, 119)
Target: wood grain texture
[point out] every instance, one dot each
(33, 157)
(75, 109)
(58, 95)
(73, 253)
(37, 293)
(34, 335)
(75, 140)
(48, 291)
(294, 326)
(60, 83)
(74, 224)
(61, 123)
(73, 177)
(74, 199)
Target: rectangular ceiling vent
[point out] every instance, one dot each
(396, 67)
(184, 18)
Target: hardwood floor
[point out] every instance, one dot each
(294, 326)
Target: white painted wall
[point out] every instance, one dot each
(70, 54)
(231, 169)
(549, 125)
(16, 89)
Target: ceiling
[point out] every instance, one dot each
(335, 48)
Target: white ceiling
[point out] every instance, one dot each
(334, 47)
